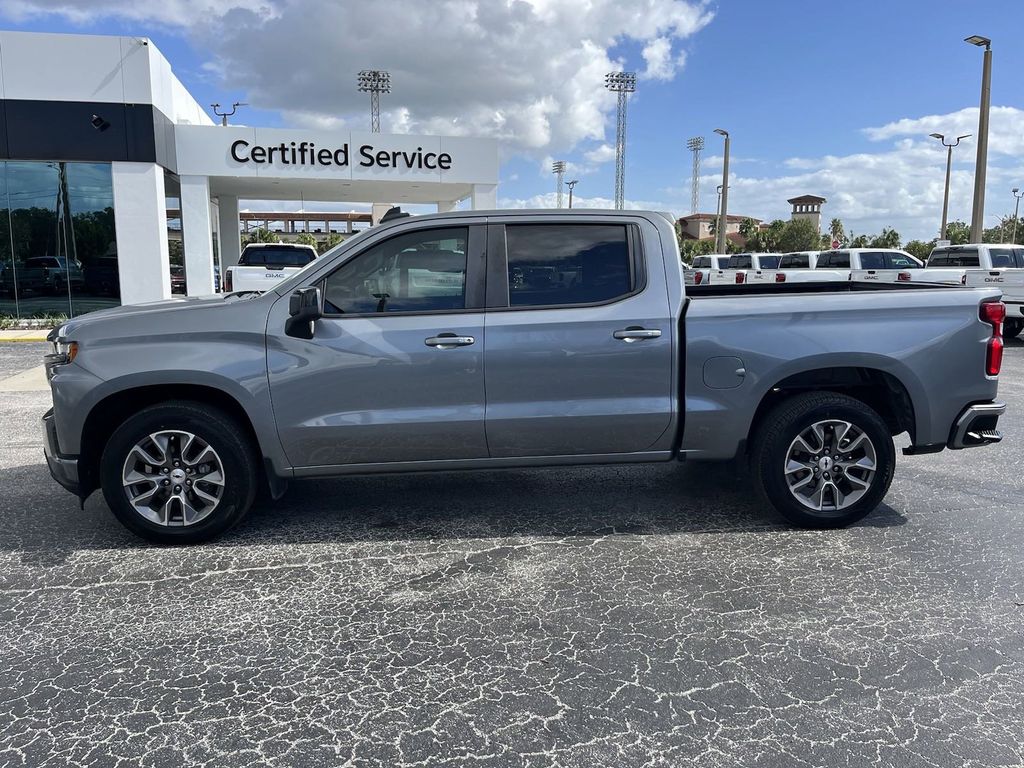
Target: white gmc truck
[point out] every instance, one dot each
(262, 266)
(982, 266)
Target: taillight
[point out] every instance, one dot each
(741, 276)
(993, 313)
(780, 277)
(697, 277)
(903, 277)
(228, 282)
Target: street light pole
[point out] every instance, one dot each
(949, 165)
(978, 211)
(724, 212)
(1016, 209)
(571, 185)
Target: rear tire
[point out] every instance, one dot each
(179, 473)
(1012, 327)
(794, 467)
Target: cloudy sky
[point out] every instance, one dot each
(829, 98)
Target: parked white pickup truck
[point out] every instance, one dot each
(983, 266)
(794, 267)
(742, 267)
(879, 265)
(263, 265)
(699, 272)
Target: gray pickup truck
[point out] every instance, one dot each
(476, 340)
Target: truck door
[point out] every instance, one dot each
(394, 371)
(579, 355)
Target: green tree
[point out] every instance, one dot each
(861, 241)
(919, 248)
(889, 238)
(837, 232)
(798, 235)
(748, 228)
(261, 235)
(958, 233)
(330, 241)
(307, 239)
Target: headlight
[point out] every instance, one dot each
(65, 351)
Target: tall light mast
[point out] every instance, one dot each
(558, 168)
(375, 82)
(621, 83)
(695, 145)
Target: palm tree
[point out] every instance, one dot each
(835, 229)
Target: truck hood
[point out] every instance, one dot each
(130, 311)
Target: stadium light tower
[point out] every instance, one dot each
(375, 82)
(695, 145)
(558, 168)
(620, 83)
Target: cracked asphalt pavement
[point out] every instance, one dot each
(640, 615)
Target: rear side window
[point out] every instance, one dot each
(567, 264)
(872, 260)
(901, 261)
(741, 261)
(1007, 257)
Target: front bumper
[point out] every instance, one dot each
(976, 425)
(63, 468)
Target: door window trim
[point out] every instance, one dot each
(498, 299)
(476, 254)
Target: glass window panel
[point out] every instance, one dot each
(566, 264)
(872, 260)
(91, 239)
(417, 272)
(8, 282)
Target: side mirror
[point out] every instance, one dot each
(303, 311)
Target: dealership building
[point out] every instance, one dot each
(98, 138)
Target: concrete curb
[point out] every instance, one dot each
(38, 334)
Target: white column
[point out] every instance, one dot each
(230, 239)
(443, 206)
(140, 220)
(485, 197)
(197, 231)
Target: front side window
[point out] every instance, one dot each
(902, 261)
(567, 264)
(421, 271)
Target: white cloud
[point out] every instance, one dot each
(601, 154)
(529, 72)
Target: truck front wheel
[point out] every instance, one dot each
(822, 459)
(179, 473)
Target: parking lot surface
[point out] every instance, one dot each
(638, 615)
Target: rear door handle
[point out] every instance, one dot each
(448, 341)
(629, 335)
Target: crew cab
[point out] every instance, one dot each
(793, 267)
(482, 340)
(881, 265)
(698, 273)
(982, 264)
(261, 266)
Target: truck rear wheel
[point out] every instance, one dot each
(822, 459)
(1012, 327)
(179, 473)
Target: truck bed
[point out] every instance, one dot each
(775, 289)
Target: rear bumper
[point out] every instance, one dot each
(64, 469)
(976, 426)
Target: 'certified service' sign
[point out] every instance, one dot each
(366, 156)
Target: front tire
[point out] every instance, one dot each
(823, 460)
(179, 473)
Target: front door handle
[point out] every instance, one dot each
(629, 335)
(448, 341)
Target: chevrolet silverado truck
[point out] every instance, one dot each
(482, 340)
(261, 266)
(1000, 266)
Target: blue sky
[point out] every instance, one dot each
(812, 92)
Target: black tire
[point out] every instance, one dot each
(1012, 327)
(779, 429)
(222, 433)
